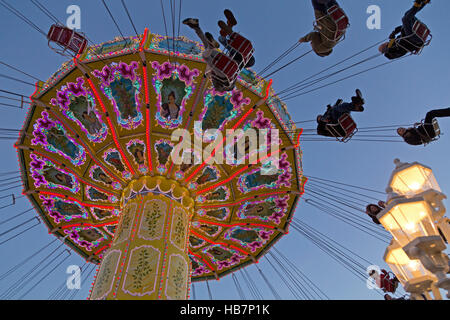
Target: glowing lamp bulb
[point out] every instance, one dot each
(415, 186)
(413, 265)
(410, 226)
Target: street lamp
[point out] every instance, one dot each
(410, 179)
(408, 219)
(413, 213)
(411, 273)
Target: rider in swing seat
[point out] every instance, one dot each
(223, 80)
(425, 132)
(333, 113)
(407, 41)
(323, 41)
(226, 30)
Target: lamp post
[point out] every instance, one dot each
(413, 276)
(414, 215)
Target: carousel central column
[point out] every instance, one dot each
(148, 258)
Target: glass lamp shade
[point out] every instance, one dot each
(408, 219)
(411, 179)
(405, 269)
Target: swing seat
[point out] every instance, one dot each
(427, 139)
(421, 31)
(224, 70)
(66, 39)
(241, 46)
(344, 129)
(340, 20)
(225, 66)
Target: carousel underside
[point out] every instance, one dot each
(96, 159)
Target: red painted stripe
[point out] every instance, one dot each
(113, 132)
(147, 119)
(244, 168)
(89, 225)
(87, 149)
(71, 171)
(219, 243)
(219, 145)
(35, 90)
(223, 181)
(233, 175)
(143, 39)
(76, 200)
(267, 89)
(298, 138)
(236, 224)
(200, 257)
(101, 249)
(240, 201)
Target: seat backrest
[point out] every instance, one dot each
(241, 45)
(54, 32)
(77, 43)
(339, 17)
(65, 37)
(347, 123)
(225, 66)
(436, 128)
(421, 30)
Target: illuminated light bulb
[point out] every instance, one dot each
(414, 186)
(410, 226)
(414, 265)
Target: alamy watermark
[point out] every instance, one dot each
(73, 281)
(74, 19)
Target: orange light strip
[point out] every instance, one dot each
(35, 90)
(113, 132)
(219, 243)
(76, 200)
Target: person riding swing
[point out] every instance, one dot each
(336, 121)
(330, 27)
(223, 68)
(413, 35)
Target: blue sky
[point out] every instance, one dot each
(399, 93)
